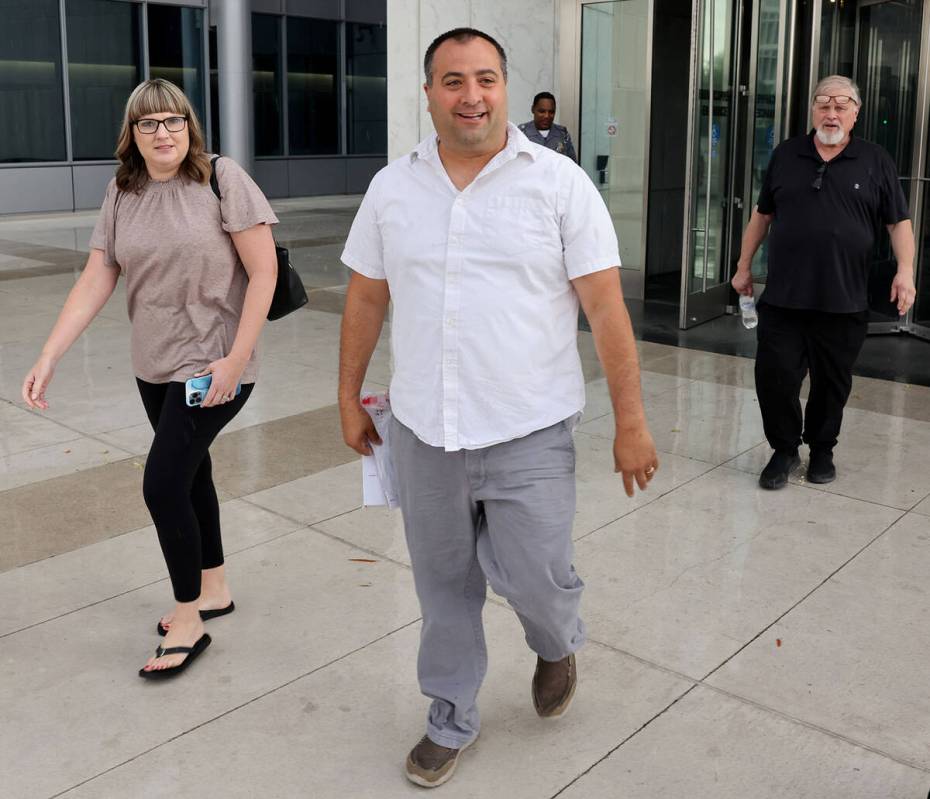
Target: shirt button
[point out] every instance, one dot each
(450, 321)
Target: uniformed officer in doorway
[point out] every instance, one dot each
(823, 202)
(543, 129)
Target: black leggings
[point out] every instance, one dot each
(178, 483)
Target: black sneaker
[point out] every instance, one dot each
(775, 474)
(821, 468)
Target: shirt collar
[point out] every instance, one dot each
(851, 150)
(428, 149)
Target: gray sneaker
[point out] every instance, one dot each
(430, 765)
(554, 686)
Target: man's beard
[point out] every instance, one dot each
(470, 138)
(829, 139)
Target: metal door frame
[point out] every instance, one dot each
(702, 306)
(918, 156)
(569, 110)
(919, 168)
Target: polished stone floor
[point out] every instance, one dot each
(742, 643)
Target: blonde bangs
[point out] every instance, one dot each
(158, 96)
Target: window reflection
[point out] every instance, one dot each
(32, 126)
(312, 69)
(268, 89)
(215, 144)
(103, 68)
(366, 87)
(176, 49)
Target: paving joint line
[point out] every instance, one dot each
(300, 527)
(696, 681)
(823, 492)
(610, 752)
(651, 501)
(238, 707)
(816, 727)
(816, 588)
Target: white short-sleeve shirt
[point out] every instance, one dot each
(485, 320)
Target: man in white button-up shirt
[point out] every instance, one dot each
(486, 242)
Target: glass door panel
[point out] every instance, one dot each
(920, 314)
(887, 56)
(878, 42)
(768, 124)
(712, 128)
(614, 113)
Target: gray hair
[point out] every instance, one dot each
(837, 80)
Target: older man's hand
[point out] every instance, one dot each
(742, 281)
(903, 291)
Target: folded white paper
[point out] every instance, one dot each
(372, 493)
(378, 484)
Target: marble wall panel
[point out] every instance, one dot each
(403, 70)
(526, 29)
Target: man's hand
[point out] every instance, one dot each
(358, 430)
(903, 291)
(635, 456)
(742, 281)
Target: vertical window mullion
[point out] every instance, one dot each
(66, 82)
(343, 94)
(285, 99)
(144, 55)
(206, 67)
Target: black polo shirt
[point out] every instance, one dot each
(821, 241)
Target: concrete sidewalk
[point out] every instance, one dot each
(743, 643)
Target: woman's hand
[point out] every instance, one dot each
(226, 373)
(37, 380)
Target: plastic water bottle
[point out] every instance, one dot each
(747, 308)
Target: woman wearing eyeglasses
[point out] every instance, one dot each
(200, 274)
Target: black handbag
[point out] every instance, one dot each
(289, 291)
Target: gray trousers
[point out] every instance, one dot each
(500, 515)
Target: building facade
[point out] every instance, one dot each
(676, 106)
(307, 112)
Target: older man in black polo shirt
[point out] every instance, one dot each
(825, 196)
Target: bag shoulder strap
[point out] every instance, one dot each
(214, 183)
(119, 196)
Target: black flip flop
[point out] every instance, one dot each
(205, 615)
(191, 652)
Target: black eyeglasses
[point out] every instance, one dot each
(818, 181)
(150, 126)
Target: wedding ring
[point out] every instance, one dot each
(650, 470)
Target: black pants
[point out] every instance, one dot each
(178, 482)
(791, 343)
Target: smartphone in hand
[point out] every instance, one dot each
(195, 390)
